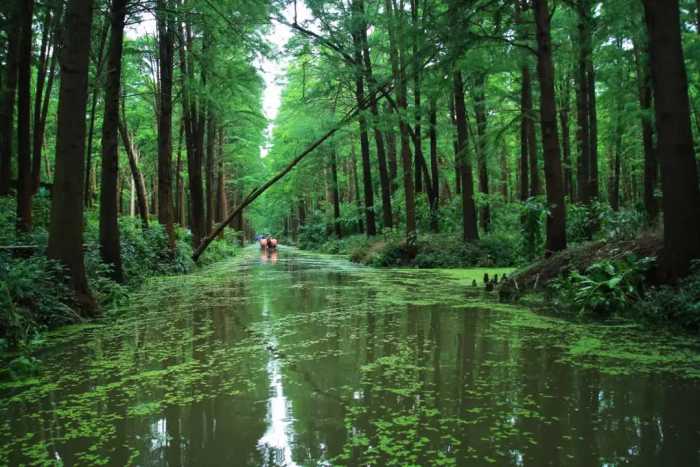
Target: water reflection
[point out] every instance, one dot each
(276, 444)
(308, 361)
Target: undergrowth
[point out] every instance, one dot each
(34, 290)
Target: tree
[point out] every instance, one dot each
(556, 220)
(25, 189)
(166, 32)
(681, 198)
(9, 92)
(110, 248)
(66, 227)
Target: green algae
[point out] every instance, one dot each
(380, 342)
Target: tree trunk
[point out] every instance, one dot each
(391, 147)
(434, 168)
(556, 221)
(24, 144)
(681, 200)
(166, 27)
(194, 137)
(356, 183)
(398, 62)
(140, 184)
(45, 70)
(209, 170)
(529, 114)
(417, 140)
(89, 172)
(7, 105)
(525, 98)
(109, 208)
(651, 165)
(66, 227)
(470, 229)
(565, 139)
(179, 188)
(364, 142)
(335, 195)
(455, 145)
(385, 183)
(481, 123)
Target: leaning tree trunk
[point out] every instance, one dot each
(165, 120)
(681, 200)
(556, 220)
(137, 176)
(109, 194)
(25, 189)
(66, 227)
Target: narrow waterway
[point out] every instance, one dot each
(301, 359)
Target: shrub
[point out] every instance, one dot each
(675, 305)
(604, 288)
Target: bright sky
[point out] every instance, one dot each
(274, 70)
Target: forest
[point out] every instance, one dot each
(538, 156)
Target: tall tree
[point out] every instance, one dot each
(362, 121)
(651, 165)
(8, 95)
(481, 126)
(24, 144)
(165, 25)
(110, 248)
(470, 229)
(66, 227)
(556, 220)
(384, 179)
(681, 197)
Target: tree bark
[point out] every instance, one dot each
(434, 168)
(384, 181)
(566, 138)
(529, 116)
(194, 137)
(137, 176)
(417, 140)
(392, 158)
(398, 61)
(556, 220)
(470, 230)
(109, 194)
(334, 194)
(364, 139)
(66, 228)
(25, 187)
(681, 200)
(44, 82)
(481, 125)
(89, 172)
(166, 28)
(9, 92)
(356, 191)
(651, 165)
(209, 170)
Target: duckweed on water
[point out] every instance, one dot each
(404, 367)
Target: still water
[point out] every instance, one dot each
(300, 360)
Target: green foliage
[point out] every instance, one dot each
(533, 215)
(677, 305)
(607, 287)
